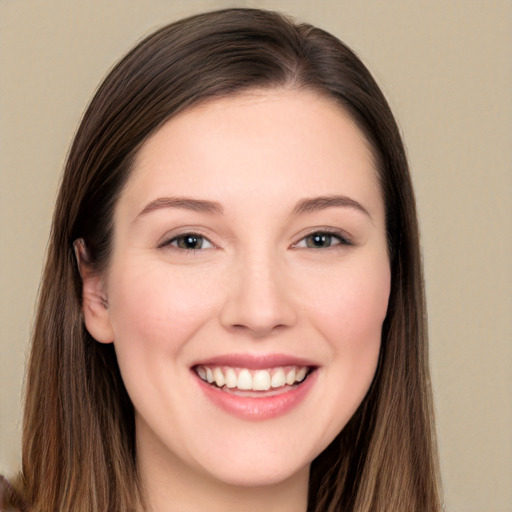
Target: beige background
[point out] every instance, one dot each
(446, 67)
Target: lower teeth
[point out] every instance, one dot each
(253, 393)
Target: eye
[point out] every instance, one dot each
(322, 240)
(189, 242)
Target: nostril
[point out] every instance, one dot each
(258, 299)
(259, 331)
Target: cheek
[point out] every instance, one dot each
(349, 314)
(352, 306)
(155, 314)
(152, 308)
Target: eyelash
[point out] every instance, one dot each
(341, 238)
(173, 242)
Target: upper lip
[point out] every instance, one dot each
(255, 361)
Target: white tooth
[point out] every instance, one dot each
(301, 375)
(201, 372)
(218, 377)
(290, 377)
(231, 380)
(278, 379)
(244, 380)
(209, 375)
(261, 380)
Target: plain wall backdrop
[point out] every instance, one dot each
(446, 68)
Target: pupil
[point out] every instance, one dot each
(321, 240)
(192, 242)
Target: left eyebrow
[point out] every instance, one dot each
(315, 204)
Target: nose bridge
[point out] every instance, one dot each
(259, 295)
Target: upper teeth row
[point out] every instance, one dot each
(258, 380)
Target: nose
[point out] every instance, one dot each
(259, 300)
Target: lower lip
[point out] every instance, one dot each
(258, 408)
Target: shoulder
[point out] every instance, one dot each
(9, 500)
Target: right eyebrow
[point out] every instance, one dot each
(186, 203)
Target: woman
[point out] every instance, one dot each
(232, 309)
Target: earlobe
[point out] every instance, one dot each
(94, 299)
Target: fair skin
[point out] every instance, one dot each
(250, 238)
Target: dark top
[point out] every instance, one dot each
(9, 500)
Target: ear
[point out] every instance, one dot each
(94, 299)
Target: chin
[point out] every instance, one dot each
(259, 475)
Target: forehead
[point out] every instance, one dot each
(266, 142)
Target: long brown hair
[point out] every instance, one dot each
(78, 432)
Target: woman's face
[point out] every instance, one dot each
(249, 248)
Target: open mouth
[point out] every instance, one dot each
(253, 382)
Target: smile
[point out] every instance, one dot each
(255, 388)
(245, 379)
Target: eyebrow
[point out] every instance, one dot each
(315, 204)
(308, 205)
(186, 203)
